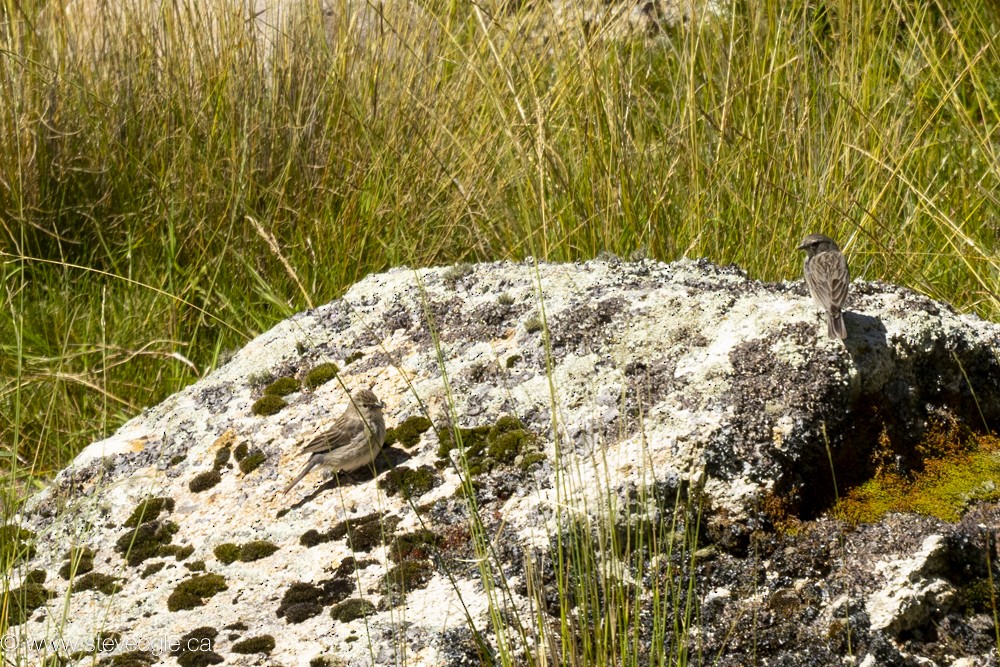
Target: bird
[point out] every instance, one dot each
(828, 279)
(353, 440)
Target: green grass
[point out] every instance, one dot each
(167, 199)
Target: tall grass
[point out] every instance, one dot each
(173, 182)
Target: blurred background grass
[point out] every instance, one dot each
(171, 184)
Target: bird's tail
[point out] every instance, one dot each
(835, 327)
(305, 471)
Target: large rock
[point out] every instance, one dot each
(631, 385)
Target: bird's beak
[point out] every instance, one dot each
(802, 247)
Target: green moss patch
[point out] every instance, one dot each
(418, 545)
(408, 432)
(321, 374)
(303, 600)
(352, 609)
(268, 405)
(261, 644)
(506, 442)
(241, 451)
(409, 482)
(23, 601)
(221, 458)
(512, 360)
(131, 659)
(405, 577)
(283, 386)
(350, 565)
(145, 541)
(97, 581)
(152, 569)
(36, 577)
(79, 560)
(195, 566)
(945, 488)
(230, 553)
(354, 356)
(365, 532)
(177, 551)
(15, 545)
(148, 510)
(196, 648)
(204, 481)
(252, 461)
(193, 592)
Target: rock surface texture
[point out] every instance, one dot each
(559, 400)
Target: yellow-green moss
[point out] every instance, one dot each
(408, 432)
(533, 324)
(15, 545)
(178, 458)
(505, 299)
(352, 609)
(97, 581)
(321, 374)
(145, 541)
(268, 405)
(241, 451)
(195, 566)
(252, 461)
(261, 644)
(177, 551)
(945, 488)
(80, 558)
(36, 577)
(408, 482)
(407, 576)
(193, 592)
(152, 569)
(512, 360)
(221, 458)
(354, 356)
(204, 481)
(365, 532)
(283, 386)
(227, 553)
(256, 550)
(148, 510)
(488, 446)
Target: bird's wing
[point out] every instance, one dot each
(334, 437)
(828, 279)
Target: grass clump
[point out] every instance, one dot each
(321, 374)
(408, 432)
(261, 644)
(534, 324)
(268, 405)
(193, 592)
(283, 386)
(204, 481)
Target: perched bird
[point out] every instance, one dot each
(828, 279)
(352, 441)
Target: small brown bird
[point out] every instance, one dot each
(352, 441)
(828, 279)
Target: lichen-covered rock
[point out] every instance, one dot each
(663, 404)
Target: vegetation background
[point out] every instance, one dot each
(171, 187)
